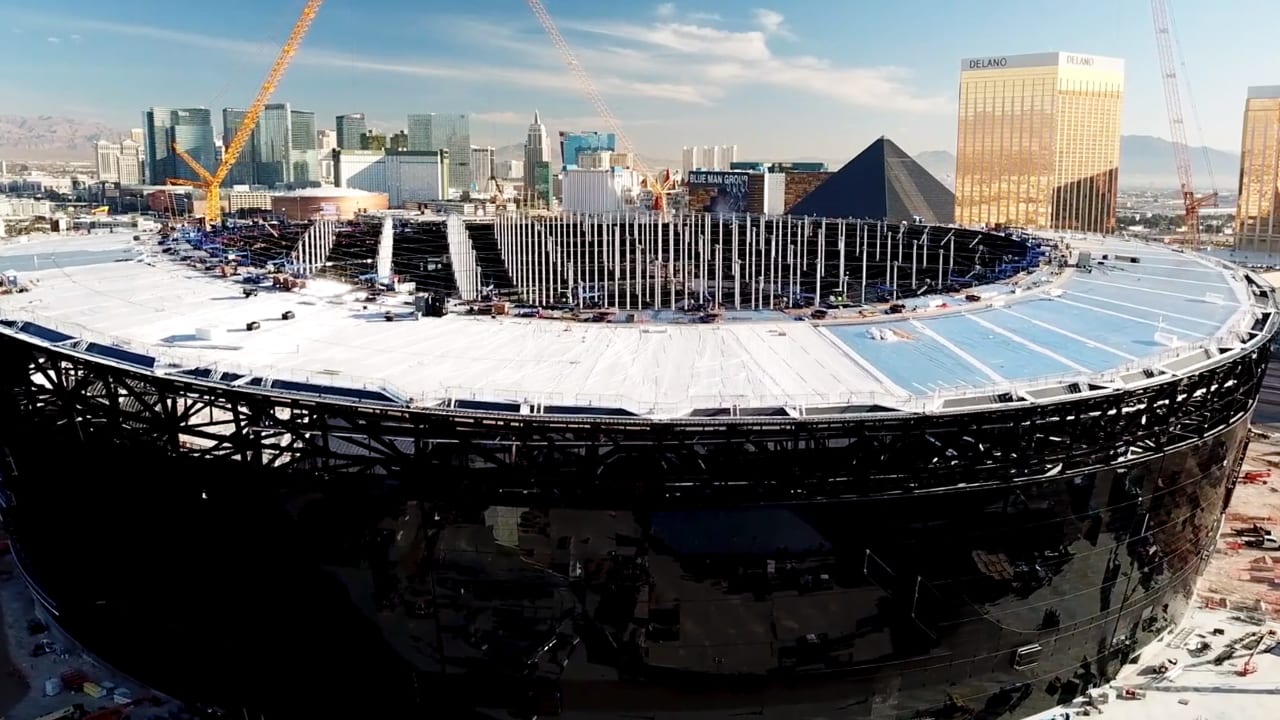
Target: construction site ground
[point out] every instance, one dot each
(27, 700)
(1239, 599)
(1243, 579)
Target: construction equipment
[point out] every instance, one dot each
(211, 183)
(659, 189)
(1177, 128)
(499, 196)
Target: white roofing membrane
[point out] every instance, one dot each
(1102, 321)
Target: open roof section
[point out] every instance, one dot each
(1140, 306)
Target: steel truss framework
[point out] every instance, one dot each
(589, 461)
(745, 262)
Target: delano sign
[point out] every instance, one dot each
(1046, 60)
(988, 63)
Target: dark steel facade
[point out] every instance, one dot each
(870, 563)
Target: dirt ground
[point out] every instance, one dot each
(1239, 578)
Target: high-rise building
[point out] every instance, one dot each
(273, 142)
(509, 169)
(139, 136)
(242, 172)
(409, 176)
(107, 160)
(573, 143)
(351, 130)
(326, 140)
(439, 131)
(708, 157)
(1038, 144)
(543, 187)
(304, 156)
(419, 132)
(280, 151)
(398, 141)
(1258, 208)
(190, 129)
(302, 130)
(133, 162)
(155, 130)
(482, 166)
(535, 151)
(192, 132)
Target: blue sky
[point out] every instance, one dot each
(806, 78)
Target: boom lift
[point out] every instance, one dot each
(211, 183)
(1177, 128)
(659, 189)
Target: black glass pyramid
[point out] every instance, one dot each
(882, 183)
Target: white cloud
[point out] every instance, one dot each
(522, 118)
(503, 117)
(54, 40)
(771, 22)
(75, 37)
(669, 11)
(719, 61)
(552, 77)
(687, 60)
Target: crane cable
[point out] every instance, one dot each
(1191, 101)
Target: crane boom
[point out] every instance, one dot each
(588, 87)
(195, 165)
(1177, 126)
(213, 181)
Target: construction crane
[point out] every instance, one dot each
(211, 183)
(659, 189)
(1177, 128)
(499, 195)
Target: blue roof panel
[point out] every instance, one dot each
(916, 362)
(1093, 357)
(1007, 357)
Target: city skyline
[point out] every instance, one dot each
(700, 69)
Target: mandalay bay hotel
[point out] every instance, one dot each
(1038, 144)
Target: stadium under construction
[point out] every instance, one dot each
(603, 467)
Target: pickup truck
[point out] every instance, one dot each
(1266, 542)
(1254, 530)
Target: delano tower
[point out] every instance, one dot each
(1039, 141)
(1258, 214)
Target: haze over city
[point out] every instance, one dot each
(814, 80)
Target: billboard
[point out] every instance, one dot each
(720, 192)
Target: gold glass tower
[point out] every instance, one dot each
(1039, 141)
(1258, 210)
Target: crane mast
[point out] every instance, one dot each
(1177, 127)
(211, 183)
(658, 189)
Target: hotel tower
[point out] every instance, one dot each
(1038, 144)
(1257, 224)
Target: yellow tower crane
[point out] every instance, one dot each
(659, 188)
(211, 183)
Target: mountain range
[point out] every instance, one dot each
(46, 137)
(1145, 161)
